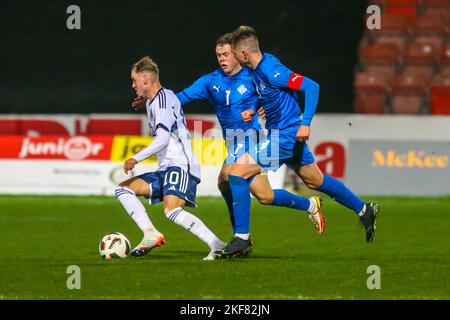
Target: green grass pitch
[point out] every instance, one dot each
(42, 236)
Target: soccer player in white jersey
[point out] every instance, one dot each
(175, 181)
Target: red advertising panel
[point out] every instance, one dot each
(56, 147)
(39, 126)
(72, 125)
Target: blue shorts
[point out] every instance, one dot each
(172, 181)
(237, 146)
(271, 154)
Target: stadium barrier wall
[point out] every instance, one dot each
(373, 154)
(84, 165)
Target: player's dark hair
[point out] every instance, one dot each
(224, 39)
(243, 33)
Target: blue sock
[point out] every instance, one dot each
(282, 198)
(340, 193)
(241, 203)
(227, 195)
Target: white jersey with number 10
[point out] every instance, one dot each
(165, 112)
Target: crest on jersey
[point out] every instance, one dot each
(242, 89)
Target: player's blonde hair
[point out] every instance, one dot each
(245, 36)
(145, 64)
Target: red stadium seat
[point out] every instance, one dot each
(405, 8)
(434, 5)
(392, 24)
(431, 25)
(445, 12)
(420, 58)
(380, 58)
(371, 93)
(436, 41)
(440, 95)
(394, 29)
(445, 57)
(409, 94)
(398, 41)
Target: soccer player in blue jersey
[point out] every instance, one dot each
(231, 92)
(286, 142)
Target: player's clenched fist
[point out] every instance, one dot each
(303, 133)
(247, 115)
(129, 165)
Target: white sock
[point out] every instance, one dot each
(312, 206)
(135, 209)
(193, 225)
(362, 211)
(244, 236)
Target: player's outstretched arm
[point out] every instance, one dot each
(160, 141)
(196, 91)
(311, 90)
(282, 77)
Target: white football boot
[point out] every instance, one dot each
(148, 243)
(316, 215)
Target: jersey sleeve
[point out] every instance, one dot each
(163, 112)
(282, 77)
(160, 141)
(197, 91)
(297, 82)
(311, 90)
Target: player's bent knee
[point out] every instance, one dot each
(314, 185)
(236, 172)
(120, 190)
(172, 203)
(138, 186)
(125, 183)
(265, 199)
(172, 212)
(244, 171)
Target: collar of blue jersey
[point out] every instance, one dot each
(258, 66)
(231, 77)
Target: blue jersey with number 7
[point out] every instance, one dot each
(229, 95)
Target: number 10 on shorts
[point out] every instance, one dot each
(174, 178)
